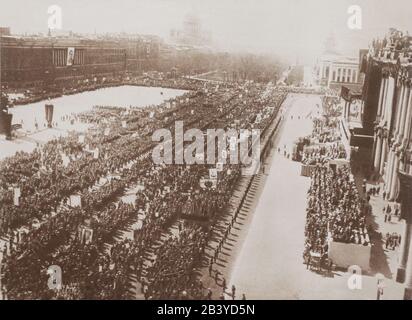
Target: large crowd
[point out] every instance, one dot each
(335, 209)
(47, 227)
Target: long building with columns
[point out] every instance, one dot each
(390, 71)
(334, 70)
(388, 101)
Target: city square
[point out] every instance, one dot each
(144, 166)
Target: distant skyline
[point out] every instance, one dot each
(290, 29)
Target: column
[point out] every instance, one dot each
(404, 252)
(330, 75)
(393, 177)
(383, 155)
(405, 262)
(408, 117)
(389, 171)
(389, 100)
(382, 96)
(377, 157)
(321, 72)
(400, 108)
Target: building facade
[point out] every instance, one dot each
(44, 60)
(388, 101)
(333, 70)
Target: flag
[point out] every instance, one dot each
(16, 196)
(213, 173)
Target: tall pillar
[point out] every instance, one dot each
(321, 71)
(393, 177)
(389, 171)
(348, 105)
(399, 109)
(381, 97)
(404, 252)
(377, 158)
(405, 269)
(406, 125)
(405, 101)
(383, 155)
(330, 75)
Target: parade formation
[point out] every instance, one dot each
(134, 167)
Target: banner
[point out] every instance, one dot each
(65, 159)
(213, 174)
(70, 56)
(96, 153)
(208, 183)
(16, 196)
(75, 200)
(86, 235)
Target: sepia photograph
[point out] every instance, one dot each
(215, 150)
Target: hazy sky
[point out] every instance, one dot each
(289, 28)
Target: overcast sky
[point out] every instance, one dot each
(289, 28)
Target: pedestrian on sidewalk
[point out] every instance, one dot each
(209, 294)
(233, 292)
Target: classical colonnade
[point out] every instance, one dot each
(392, 154)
